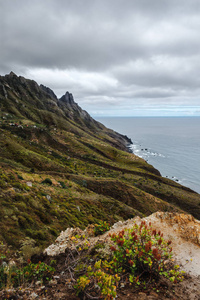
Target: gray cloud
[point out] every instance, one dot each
(112, 55)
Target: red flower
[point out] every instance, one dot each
(130, 262)
(155, 252)
(148, 246)
(158, 257)
(113, 248)
(135, 238)
(154, 232)
(121, 234)
(140, 254)
(120, 242)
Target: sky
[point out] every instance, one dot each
(117, 57)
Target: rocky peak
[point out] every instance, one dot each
(12, 74)
(11, 77)
(48, 91)
(68, 98)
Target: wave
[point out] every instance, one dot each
(145, 152)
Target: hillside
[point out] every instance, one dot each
(60, 168)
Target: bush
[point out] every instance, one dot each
(101, 228)
(40, 271)
(139, 256)
(13, 275)
(47, 181)
(97, 283)
(62, 184)
(143, 254)
(28, 248)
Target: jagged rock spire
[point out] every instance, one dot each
(12, 74)
(68, 97)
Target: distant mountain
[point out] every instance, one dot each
(25, 99)
(59, 168)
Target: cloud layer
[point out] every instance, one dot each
(117, 57)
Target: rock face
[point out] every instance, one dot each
(48, 91)
(68, 98)
(75, 112)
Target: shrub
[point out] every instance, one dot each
(3, 264)
(40, 271)
(96, 283)
(101, 228)
(3, 184)
(13, 275)
(47, 181)
(143, 253)
(62, 184)
(28, 248)
(22, 221)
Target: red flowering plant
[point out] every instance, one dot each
(39, 271)
(31, 272)
(143, 253)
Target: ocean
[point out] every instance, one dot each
(170, 144)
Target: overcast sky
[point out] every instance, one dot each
(117, 57)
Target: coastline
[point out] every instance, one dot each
(170, 144)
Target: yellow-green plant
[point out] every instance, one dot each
(97, 283)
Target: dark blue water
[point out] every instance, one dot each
(170, 144)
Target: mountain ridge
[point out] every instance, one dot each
(59, 167)
(13, 86)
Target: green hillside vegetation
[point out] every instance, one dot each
(60, 168)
